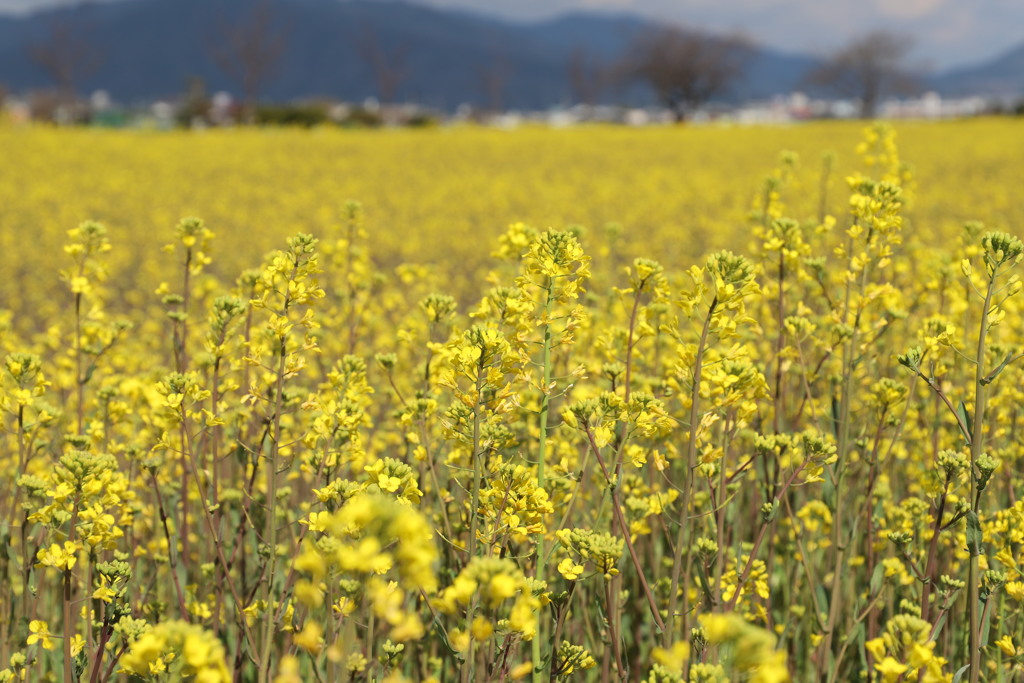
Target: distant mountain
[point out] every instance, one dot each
(151, 48)
(1003, 75)
(442, 58)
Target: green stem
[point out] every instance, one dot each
(69, 626)
(271, 522)
(780, 343)
(475, 463)
(468, 665)
(79, 379)
(843, 438)
(545, 404)
(691, 463)
(218, 546)
(980, 398)
(620, 521)
(613, 632)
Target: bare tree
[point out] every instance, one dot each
(389, 66)
(68, 53)
(589, 76)
(869, 68)
(195, 105)
(493, 79)
(684, 67)
(250, 52)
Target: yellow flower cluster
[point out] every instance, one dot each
(390, 454)
(497, 588)
(178, 649)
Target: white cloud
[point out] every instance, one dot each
(21, 7)
(608, 4)
(908, 9)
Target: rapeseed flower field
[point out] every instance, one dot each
(681, 404)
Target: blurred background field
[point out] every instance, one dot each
(441, 196)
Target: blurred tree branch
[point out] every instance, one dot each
(684, 67)
(389, 66)
(68, 54)
(868, 68)
(250, 51)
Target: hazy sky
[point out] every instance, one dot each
(946, 32)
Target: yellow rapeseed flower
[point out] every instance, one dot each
(39, 632)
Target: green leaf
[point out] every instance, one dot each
(241, 455)
(444, 637)
(81, 661)
(877, 577)
(985, 628)
(965, 421)
(703, 576)
(182, 575)
(856, 632)
(939, 624)
(861, 650)
(5, 542)
(958, 676)
(995, 373)
(822, 596)
(974, 535)
(835, 415)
